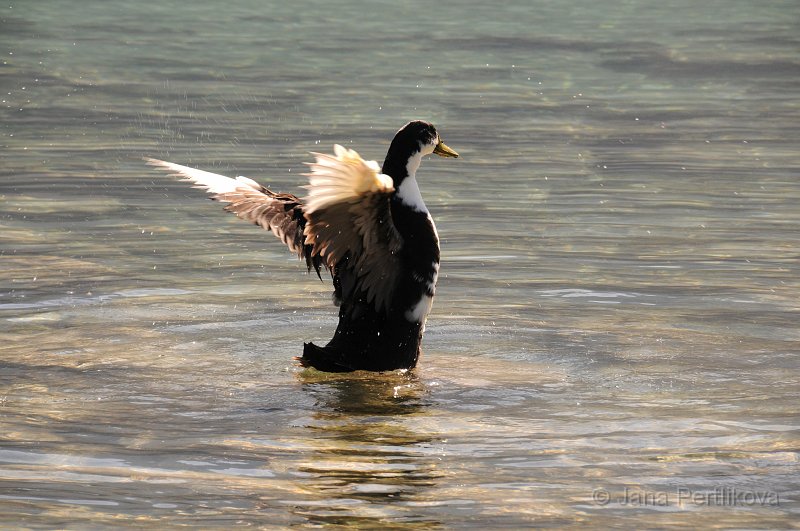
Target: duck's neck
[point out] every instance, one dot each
(402, 168)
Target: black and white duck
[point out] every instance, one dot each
(370, 228)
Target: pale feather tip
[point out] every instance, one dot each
(212, 183)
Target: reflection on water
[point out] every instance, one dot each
(366, 449)
(617, 306)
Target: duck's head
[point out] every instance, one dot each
(412, 142)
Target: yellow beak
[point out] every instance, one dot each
(443, 151)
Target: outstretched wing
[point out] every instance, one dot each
(349, 221)
(280, 213)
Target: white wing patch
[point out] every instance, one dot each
(213, 183)
(343, 178)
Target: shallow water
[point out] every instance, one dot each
(614, 339)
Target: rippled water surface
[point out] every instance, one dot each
(615, 336)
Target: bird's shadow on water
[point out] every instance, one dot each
(370, 455)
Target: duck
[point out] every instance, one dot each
(369, 227)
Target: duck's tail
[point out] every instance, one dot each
(324, 359)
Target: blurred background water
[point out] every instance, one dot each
(616, 318)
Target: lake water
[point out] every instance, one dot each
(615, 336)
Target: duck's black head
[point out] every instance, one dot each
(413, 141)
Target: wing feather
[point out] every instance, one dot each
(280, 213)
(345, 221)
(349, 221)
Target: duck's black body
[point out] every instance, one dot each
(380, 245)
(365, 335)
(370, 339)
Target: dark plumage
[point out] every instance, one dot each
(371, 230)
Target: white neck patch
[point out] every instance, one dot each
(409, 194)
(413, 163)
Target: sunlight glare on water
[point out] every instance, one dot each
(614, 339)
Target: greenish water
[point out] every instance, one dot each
(618, 301)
